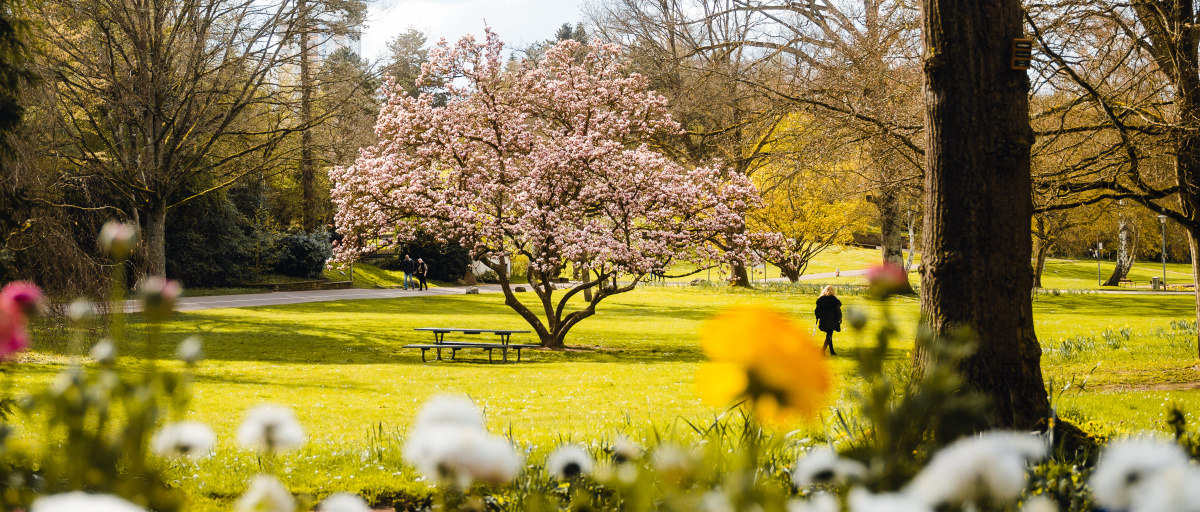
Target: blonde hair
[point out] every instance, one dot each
(829, 291)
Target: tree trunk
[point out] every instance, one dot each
(978, 203)
(1194, 247)
(1041, 248)
(1126, 250)
(892, 232)
(156, 240)
(790, 272)
(912, 242)
(739, 275)
(308, 174)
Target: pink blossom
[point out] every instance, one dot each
(18, 299)
(887, 279)
(22, 297)
(552, 160)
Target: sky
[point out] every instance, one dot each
(518, 22)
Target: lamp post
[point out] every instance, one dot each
(1162, 222)
(1099, 247)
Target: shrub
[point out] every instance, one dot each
(446, 261)
(208, 244)
(302, 255)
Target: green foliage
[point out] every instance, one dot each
(209, 243)
(447, 261)
(302, 255)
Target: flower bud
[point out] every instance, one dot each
(887, 279)
(856, 318)
(104, 352)
(190, 350)
(158, 297)
(118, 239)
(81, 311)
(23, 297)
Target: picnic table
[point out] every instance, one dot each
(440, 343)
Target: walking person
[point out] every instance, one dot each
(829, 316)
(422, 272)
(408, 266)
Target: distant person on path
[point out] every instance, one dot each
(829, 316)
(422, 271)
(408, 267)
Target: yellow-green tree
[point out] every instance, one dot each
(804, 213)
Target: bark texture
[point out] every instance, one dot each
(1127, 238)
(978, 203)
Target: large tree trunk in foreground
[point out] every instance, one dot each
(978, 203)
(1126, 249)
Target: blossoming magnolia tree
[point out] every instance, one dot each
(547, 160)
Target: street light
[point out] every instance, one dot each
(1162, 221)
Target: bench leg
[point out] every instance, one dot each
(453, 354)
(423, 355)
(505, 352)
(439, 354)
(489, 355)
(518, 354)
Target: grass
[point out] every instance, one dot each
(342, 367)
(1081, 274)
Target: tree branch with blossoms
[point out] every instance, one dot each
(550, 160)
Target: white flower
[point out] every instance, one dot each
(990, 465)
(266, 494)
(449, 410)
(818, 502)
(624, 449)
(1127, 464)
(861, 500)
(823, 466)
(1174, 489)
(493, 460)
(1040, 503)
(184, 439)
(104, 352)
(672, 463)
(569, 461)
(344, 502)
(270, 428)
(458, 455)
(716, 501)
(80, 501)
(190, 350)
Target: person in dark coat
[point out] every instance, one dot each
(409, 267)
(422, 271)
(829, 316)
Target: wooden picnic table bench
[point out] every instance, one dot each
(440, 343)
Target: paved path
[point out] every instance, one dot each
(280, 298)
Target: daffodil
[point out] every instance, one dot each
(759, 355)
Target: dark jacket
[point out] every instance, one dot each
(422, 269)
(408, 266)
(829, 313)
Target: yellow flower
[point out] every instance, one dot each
(759, 355)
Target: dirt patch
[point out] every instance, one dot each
(1165, 386)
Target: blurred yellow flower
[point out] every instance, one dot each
(759, 355)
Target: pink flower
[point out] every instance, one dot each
(887, 279)
(22, 297)
(158, 297)
(17, 300)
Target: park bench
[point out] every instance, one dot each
(1126, 282)
(440, 343)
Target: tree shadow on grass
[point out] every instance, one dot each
(1103, 305)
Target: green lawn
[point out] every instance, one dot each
(340, 365)
(1081, 274)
